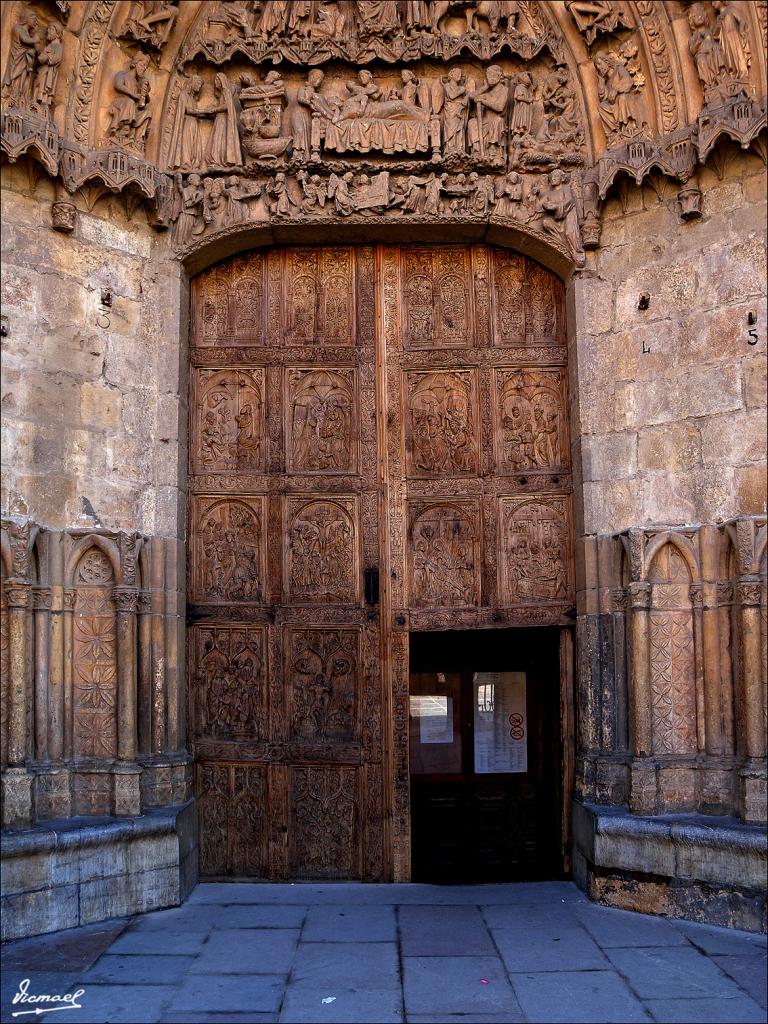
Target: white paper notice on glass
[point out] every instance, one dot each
(435, 715)
(501, 722)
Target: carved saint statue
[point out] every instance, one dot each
(223, 149)
(129, 116)
(523, 95)
(557, 211)
(18, 81)
(704, 48)
(730, 32)
(454, 102)
(187, 142)
(49, 59)
(487, 130)
(377, 17)
(618, 93)
(509, 195)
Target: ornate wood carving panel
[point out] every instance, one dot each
(322, 542)
(324, 830)
(441, 423)
(354, 410)
(534, 542)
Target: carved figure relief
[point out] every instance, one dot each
(534, 539)
(595, 16)
(128, 115)
(228, 552)
(324, 807)
(673, 686)
(619, 89)
(321, 428)
(94, 659)
(150, 22)
(34, 59)
(319, 297)
(321, 549)
(444, 554)
(230, 425)
(721, 52)
(322, 675)
(529, 433)
(441, 424)
(230, 682)
(436, 297)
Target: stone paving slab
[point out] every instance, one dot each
(457, 984)
(349, 923)
(578, 997)
(671, 973)
(444, 931)
(267, 951)
(706, 1011)
(353, 954)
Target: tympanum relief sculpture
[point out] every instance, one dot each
(34, 61)
(720, 50)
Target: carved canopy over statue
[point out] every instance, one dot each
(242, 111)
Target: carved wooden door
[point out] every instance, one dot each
(285, 691)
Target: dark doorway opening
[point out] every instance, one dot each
(485, 755)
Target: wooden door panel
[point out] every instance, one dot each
(285, 679)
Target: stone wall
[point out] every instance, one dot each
(669, 402)
(93, 391)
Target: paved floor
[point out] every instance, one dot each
(399, 953)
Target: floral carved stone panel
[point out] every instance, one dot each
(324, 826)
(322, 674)
(230, 682)
(229, 424)
(530, 430)
(319, 297)
(320, 421)
(228, 549)
(441, 424)
(436, 292)
(534, 546)
(321, 538)
(94, 653)
(672, 664)
(444, 553)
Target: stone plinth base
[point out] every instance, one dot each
(692, 866)
(68, 873)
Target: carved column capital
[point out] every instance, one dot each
(17, 594)
(126, 599)
(70, 596)
(748, 593)
(696, 594)
(144, 602)
(619, 599)
(41, 598)
(639, 595)
(724, 593)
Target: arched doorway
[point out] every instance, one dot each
(378, 446)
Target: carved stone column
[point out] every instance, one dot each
(725, 656)
(145, 682)
(748, 591)
(41, 602)
(70, 596)
(641, 738)
(696, 595)
(126, 773)
(17, 783)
